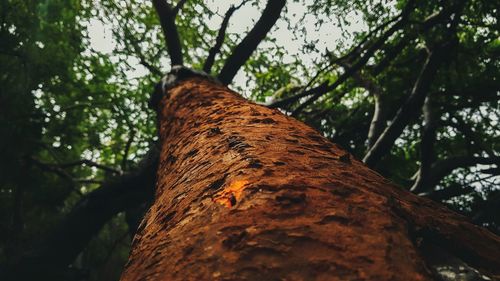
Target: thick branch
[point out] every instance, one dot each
(420, 90)
(408, 111)
(167, 15)
(378, 119)
(427, 154)
(70, 237)
(242, 52)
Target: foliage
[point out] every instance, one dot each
(63, 100)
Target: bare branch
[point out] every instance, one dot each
(288, 100)
(356, 66)
(356, 51)
(247, 46)
(220, 38)
(167, 20)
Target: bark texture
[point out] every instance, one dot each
(247, 193)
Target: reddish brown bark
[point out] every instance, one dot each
(247, 193)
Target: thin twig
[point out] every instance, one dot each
(356, 66)
(352, 53)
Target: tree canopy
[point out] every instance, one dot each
(411, 87)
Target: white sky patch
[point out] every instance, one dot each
(100, 36)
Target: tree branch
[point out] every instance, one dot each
(57, 168)
(58, 249)
(442, 168)
(420, 90)
(390, 55)
(448, 192)
(378, 119)
(247, 46)
(427, 24)
(427, 154)
(89, 163)
(127, 149)
(134, 43)
(288, 100)
(207, 66)
(362, 61)
(356, 51)
(167, 20)
(350, 71)
(379, 114)
(408, 110)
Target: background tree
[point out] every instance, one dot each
(414, 93)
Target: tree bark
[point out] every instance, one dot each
(247, 193)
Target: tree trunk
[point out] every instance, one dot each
(247, 193)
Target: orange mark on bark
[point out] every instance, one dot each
(232, 194)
